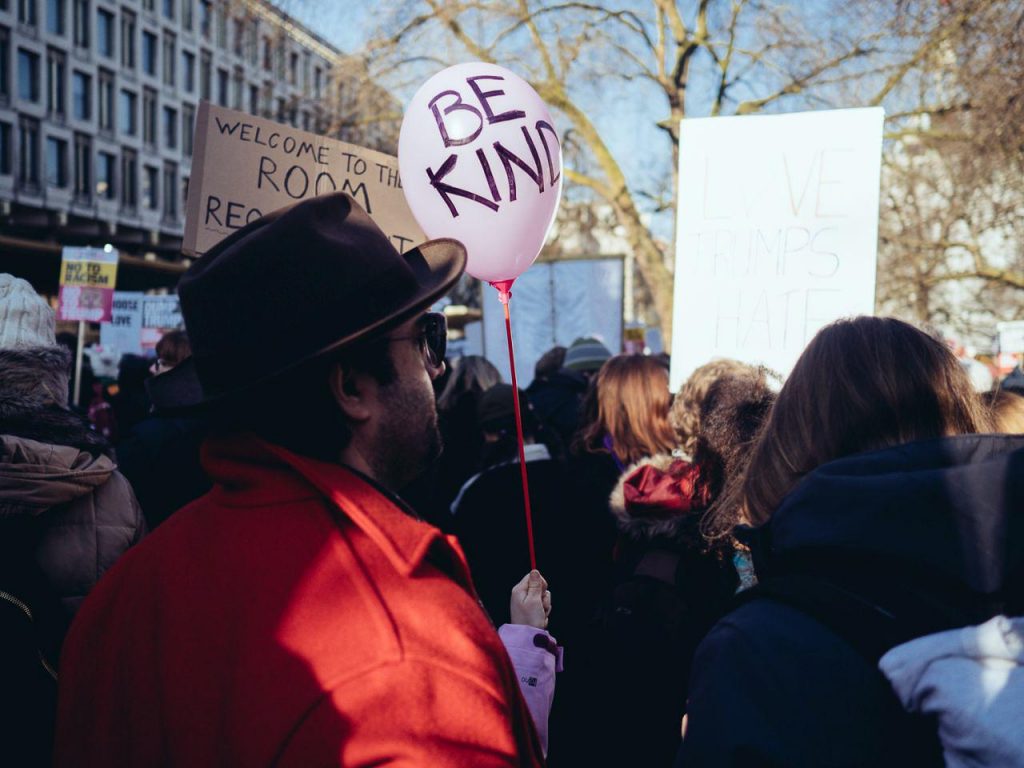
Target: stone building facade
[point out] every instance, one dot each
(97, 107)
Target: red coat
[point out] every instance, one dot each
(293, 616)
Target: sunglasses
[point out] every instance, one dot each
(432, 337)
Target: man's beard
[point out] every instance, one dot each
(408, 438)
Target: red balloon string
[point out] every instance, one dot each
(504, 294)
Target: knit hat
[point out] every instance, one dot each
(26, 320)
(586, 354)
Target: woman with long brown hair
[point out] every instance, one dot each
(876, 513)
(629, 407)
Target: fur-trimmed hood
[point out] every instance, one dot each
(32, 379)
(33, 400)
(657, 497)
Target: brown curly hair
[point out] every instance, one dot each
(689, 402)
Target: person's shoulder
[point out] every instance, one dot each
(764, 625)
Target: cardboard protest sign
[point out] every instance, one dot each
(777, 233)
(87, 280)
(123, 331)
(245, 166)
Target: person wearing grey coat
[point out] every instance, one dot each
(66, 515)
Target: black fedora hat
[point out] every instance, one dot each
(296, 284)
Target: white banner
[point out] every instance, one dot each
(777, 233)
(124, 331)
(554, 303)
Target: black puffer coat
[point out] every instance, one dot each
(938, 524)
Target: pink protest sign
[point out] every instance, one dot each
(87, 280)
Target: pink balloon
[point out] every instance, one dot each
(481, 162)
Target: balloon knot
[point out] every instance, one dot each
(504, 289)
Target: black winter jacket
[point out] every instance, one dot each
(940, 523)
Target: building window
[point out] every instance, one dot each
(206, 18)
(105, 175)
(205, 74)
(28, 153)
(170, 128)
(186, 14)
(5, 64)
(5, 149)
(306, 120)
(168, 9)
(150, 187)
(280, 115)
(149, 5)
(184, 192)
(237, 88)
(293, 69)
(81, 22)
(252, 45)
(81, 93)
(169, 58)
(268, 54)
(27, 15)
(238, 28)
(170, 192)
(129, 179)
(254, 99)
(149, 117)
(105, 33)
(56, 162)
(222, 87)
(188, 129)
(188, 71)
(268, 98)
(129, 126)
(222, 26)
(128, 39)
(149, 53)
(83, 168)
(56, 82)
(318, 82)
(28, 75)
(55, 17)
(105, 97)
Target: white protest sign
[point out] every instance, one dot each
(159, 315)
(245, 166)
(124, 331)
(1011, 337)
(777, 233)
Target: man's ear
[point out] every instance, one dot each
(354, 391)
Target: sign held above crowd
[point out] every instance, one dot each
(777, 233)
(245, 167)
(87, 280)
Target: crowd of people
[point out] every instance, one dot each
(304, 541)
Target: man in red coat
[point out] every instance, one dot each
(298, 615)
